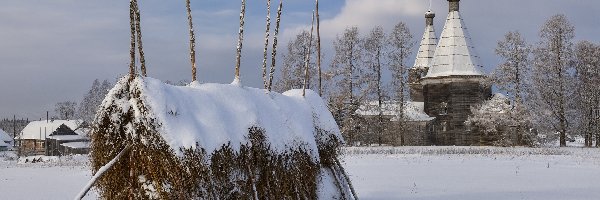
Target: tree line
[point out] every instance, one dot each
(549, 84)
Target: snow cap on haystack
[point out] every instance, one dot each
(428, 43)
(455, 54)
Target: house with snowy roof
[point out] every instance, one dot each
(65, 141)
(6, 141)
(32, 139)
(448, 79)
(417, 121)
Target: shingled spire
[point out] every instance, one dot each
(424, 59)
(455, 54)
(428, 43)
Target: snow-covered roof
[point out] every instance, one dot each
(212, 115)
(427, 46)
(77, 145)
(67, 137)
(4, 137)
(455, 53)
(39, 130)
(3, 144)
(413, 111)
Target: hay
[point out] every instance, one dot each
(257, 163)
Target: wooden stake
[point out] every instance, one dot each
(139, 38)
(319, 47)
(192, 40)
(274, 52)
(240, 41)
(132, 47)
(307, 61)
(267, 33)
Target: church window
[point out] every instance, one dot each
(443, 108)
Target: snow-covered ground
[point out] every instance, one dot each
(383, 173)
(474, 173)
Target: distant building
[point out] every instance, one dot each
(64, 141)
(444, 83)
(6, 142)
(454, 81)
(32, 140)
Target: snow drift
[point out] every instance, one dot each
(212, 141)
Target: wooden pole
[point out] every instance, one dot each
(307, 61)
(240, 41)
(132, 45)
(139, 38)
(101, 172)
(319, 47)
(267, 34)
(192, 40)
(274, 52)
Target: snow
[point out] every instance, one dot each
(455, 53)
(77, 145)
(67, 137)
(4, 137)
(425, 173)
(450, 173)
(426, 47)
(212, 115)
(413, 111)
(39, 130)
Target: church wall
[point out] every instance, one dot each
(450, 103)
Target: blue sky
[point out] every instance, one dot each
(51, 51)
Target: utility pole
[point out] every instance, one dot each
(14, 130)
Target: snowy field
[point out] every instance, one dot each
(383, 173)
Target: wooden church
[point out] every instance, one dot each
(447, 77)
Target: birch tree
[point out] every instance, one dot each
(401, 43)
(587, 65)
(292, 72)
(346, 72)
(374, 45)
(511, 75)
(552, 75)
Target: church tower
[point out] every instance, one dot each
(424, 59)
(454, 82)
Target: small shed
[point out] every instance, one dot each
(64, 141)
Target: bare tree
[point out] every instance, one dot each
(292, 72)
(511, 75)
(552, 74)
(587, 64)
(374, 51)
(346, 72)
(401, 43)
(65, 110)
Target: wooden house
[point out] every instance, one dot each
(64, 141)
(32, 140)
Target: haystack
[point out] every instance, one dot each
(216, 141)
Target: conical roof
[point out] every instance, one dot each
(455, 53)
(428, 44)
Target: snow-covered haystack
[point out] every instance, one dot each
(216, 141)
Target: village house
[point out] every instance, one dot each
(32, 140)
(6, 141)
(64, 141)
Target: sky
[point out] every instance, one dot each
(51, 51)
